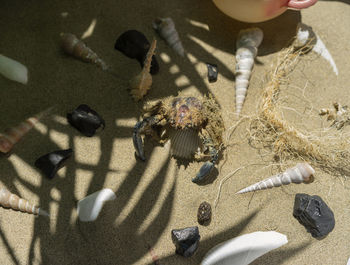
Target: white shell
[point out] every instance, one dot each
(90, 207)
(247, 45)
(166, 29)
(244, 249)
(13, 70)
(305, 35)
(298, 174)
(184, 143)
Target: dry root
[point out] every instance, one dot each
(269, 129)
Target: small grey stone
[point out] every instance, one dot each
(186, 240)
(313, 213)
(212, 72)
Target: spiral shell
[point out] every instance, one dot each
(10, 200)
(13, 135)
(141, 83)
(247, 48)
(77, 48)
(166, 29)
(302, 172)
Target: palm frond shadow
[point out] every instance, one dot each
(76, 241)
(9, 249)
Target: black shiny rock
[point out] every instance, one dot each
(204, 213)
(50, 163)
(186, 240)
(212, 72)
(135, 45)
(313, 213)
(85, 120)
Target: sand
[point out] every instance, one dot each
(157, 196)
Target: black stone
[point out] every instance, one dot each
(313, 213)
(135, 45)
(212, 72)
(50, 163)
(204, 213)
(85, 120)
(186, 240)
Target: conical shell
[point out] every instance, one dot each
(77, 48)
(13, 135)
(166, 29)
(302, 172)
(247, 47)
(10, 200)
(141, 83)
(184, 143)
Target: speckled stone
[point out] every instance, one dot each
(204, 213)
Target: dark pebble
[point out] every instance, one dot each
(85, 120)
(204, 213)
(313, 213)
(186, 240)
(212, 72)
(50, 163)
(135, 45)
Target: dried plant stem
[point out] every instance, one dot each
(269, 128)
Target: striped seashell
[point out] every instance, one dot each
(247, 48)
(141, 83)
(184, 143)
(13, 135)
(166, 29)
(302, 172)
(10, 200)
(77, 48)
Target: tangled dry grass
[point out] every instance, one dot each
(270, 130)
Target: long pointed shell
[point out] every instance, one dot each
(247, 47)
(141, 83)
(244, 249)
(10, 200)
(166, 29)
(13, 135)
(302, 172)
(77, 48)
(13, 70)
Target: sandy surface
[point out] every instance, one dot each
(157, 196)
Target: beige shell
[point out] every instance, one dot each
(166, 29)
(184, 143)
(77, 48)
(13, 135)
(141, 83)
(302, 172)
(247, 47)
(10, 200)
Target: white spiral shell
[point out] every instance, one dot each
(77, 48)
(247, 45)
(166, 29)
(302, 172)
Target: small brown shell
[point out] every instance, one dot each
(204, 213)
